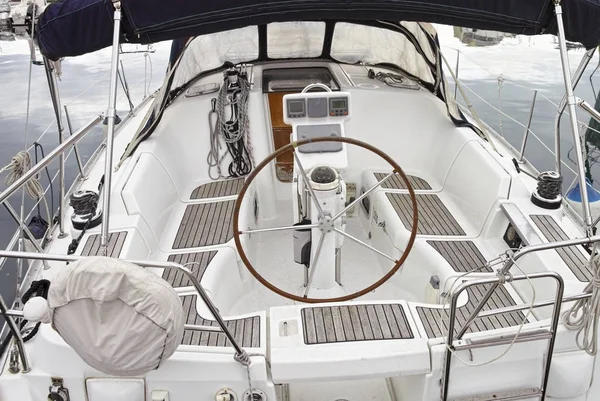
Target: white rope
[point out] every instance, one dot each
(583, 315)
(502, 281)
(19, 165)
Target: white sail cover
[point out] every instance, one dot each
(120, 318)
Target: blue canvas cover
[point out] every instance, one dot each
(74, 27)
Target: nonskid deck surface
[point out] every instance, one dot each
(573, 256)
(219, 188)
(333, 324)
(246, 331)
(396, 182)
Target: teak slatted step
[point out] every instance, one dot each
(435, 320)
(246, 331)
(205, 224)
(434, 217)
(197, 263)
(573, 256)
(396, 182)
(463, 256)
(218, 189)
(114, 245)
(333, 324)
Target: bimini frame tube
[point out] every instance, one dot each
(53, 86)
(571, 104)
(110, 122)
(587, 57)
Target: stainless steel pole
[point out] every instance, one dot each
(26, 230)
(111, 112)
(48, 159)
(53, 85)
(75, 148)
(571, 103)
(456, 73)
(14, 328)
(589, 108)
(240, 352)
(527, 129)
(587, 57)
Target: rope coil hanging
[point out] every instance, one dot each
(583, 316)
(231, 126)
(19, 165)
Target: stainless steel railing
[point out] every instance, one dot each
(9, 315)
(549, 334)
(59, 150)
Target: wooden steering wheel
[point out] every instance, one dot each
(237, 233)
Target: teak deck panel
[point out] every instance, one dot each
(205, 224)
(246, 331)
(197, 262)
(114, 246)
(434, 217)
(463, 256)
(396, 182)
(435, 320)
(334, 324)
(573, 256)
(218, 189)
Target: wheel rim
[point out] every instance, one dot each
(292, 147)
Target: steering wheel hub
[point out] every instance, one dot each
(325, 178)
(326, 223)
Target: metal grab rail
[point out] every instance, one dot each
(240, 356)
(518, 255)
(587, 57)
(550, 335)
(59, 150)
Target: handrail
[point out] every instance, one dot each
(587, 57)
(59, 150)
(495, 280)
(589, 108)
(522, 252)
(240, 356)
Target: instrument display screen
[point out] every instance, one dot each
(296, 106)
(339, 104)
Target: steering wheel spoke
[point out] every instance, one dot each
(326, 222)
(271, 229)
(306, 181)
(364, 244)
(362, 196)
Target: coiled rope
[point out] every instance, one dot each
(549, 184)
(583, 315)
(19, 165)
(232, 126)
(84, 203)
